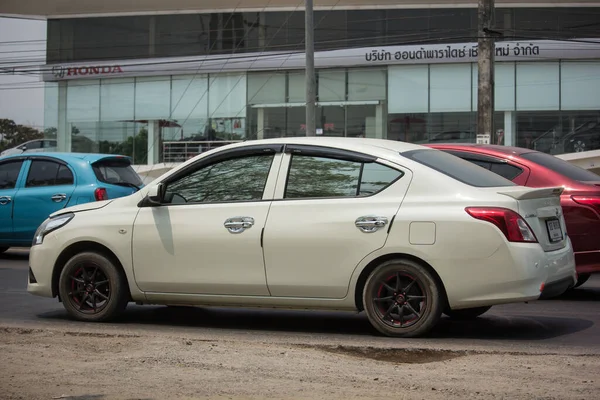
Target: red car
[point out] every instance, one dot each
(580, 199)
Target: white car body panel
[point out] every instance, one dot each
(313, 255)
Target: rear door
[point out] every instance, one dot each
(331, 209)
(10, 171)
(542, 210)
(48, 186)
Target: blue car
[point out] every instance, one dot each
(34, 185)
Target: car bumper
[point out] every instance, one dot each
(588, 262)
(41, 263)
(517, 272)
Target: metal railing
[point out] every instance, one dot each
(181, 151)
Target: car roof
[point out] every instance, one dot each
(67, 157)
(487, 148)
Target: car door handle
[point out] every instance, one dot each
(4, 200)
(57, 198)
(369, 224)
(238, 224)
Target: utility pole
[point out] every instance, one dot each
(485, 63)
(311, 82)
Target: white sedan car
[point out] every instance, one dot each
(400, 231)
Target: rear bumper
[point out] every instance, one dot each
(556, 288)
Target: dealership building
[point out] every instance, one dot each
(149, 78)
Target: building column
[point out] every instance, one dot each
(153, 142)
(260, 124)
(63, 130)
(381, 121)
(510, 128)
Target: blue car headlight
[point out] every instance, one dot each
(49, 225)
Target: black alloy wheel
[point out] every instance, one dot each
(92, 288)
(402, 299)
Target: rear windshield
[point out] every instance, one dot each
(457, 168)
(561, 166)
(116, 171)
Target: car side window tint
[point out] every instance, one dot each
(508, 171)
(36, 144)
(9, 173)
(482, 164)
(322, 177)
(237, 179)
(48, 173)
(376, 177)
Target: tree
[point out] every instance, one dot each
(14, 135)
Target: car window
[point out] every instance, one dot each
(506, 170)
(319, 177)
(36, 144)
(9, 173)
(48, 173)
(116, 170)
(457, 168)
(237, 179)
(561, 166)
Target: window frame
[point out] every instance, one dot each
(215, 158)
(335, 154)
(21, 160)
(60, 162)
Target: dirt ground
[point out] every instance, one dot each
(55, 364)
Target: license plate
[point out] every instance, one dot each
(554, 230)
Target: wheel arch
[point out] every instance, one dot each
(370, 267)
(80, 247)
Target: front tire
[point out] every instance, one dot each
(467, 313)
(92, 288)
(402, 299)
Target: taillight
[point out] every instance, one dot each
(100, 194)
(514, 227)
(590, 201)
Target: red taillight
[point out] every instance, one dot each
(100, 194)
(590, 201)
(514, 227)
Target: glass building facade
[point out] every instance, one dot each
(550, 104)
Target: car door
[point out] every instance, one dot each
(10, 174)
(205, 237)
(331, 209)
(48, 186)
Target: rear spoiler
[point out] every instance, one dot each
(525, 193)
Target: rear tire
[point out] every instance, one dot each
(467, 313)
(92, 288)
(3, 249)
(402, 299)
(581, 279)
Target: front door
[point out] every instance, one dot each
(331, 210)
(48, 187)
(206, 236)
(9, 177)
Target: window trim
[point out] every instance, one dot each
(53, 160)
(338, 156)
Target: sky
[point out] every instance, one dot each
(22, 97)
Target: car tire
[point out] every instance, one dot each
(467, 313)
(409, 312)
(581, 279)
(3, 249)
(92, 288)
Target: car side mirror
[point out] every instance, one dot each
(156, 194)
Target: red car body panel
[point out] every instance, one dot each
(583, 220)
